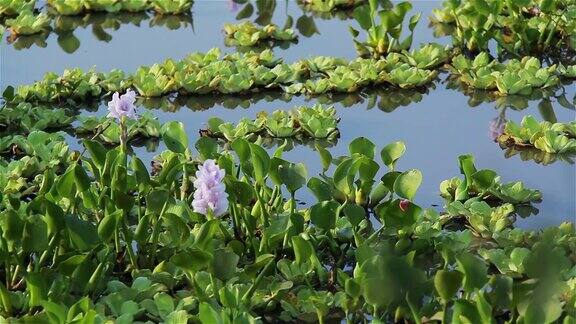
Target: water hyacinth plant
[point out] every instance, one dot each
(208, 259)
(551, 138)
(247, 34)
(28, 23)
(237, 224)
(383, 37)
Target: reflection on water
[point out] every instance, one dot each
(102, 24)
(438, 123)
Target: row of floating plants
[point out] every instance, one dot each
(29, 29)
(11, 8)
(216, 235)
(209, 73)
(316, 122)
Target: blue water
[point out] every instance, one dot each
(436, 129)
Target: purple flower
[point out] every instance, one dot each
(232, 6)
(496, 128)
(122, 105)
(210, 194)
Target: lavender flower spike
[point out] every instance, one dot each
(122, 105)
(210, 195)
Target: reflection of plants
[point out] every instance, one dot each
(100, 22)
(385, 36)
(329, 5)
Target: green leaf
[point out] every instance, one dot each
(108, 225)
(354, 213)
(325, 157)
(224, 264)
(408, 183)
(174, 136)
(293, 175)
(207, 147)
(391, 153)
(260, 161)
(362, 145)
(321, 190)
(324, 214)
(447, 283)
(474, 269)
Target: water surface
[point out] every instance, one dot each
(437, 126)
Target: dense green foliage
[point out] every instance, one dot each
(518, 27)
(97, 224)
(91, 235)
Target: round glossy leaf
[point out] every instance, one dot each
(407, 184)
(362, 145)
(324, 214)
(293, 175)
(447, 283)
(391, 153)
(174, 136)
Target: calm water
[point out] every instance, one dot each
(437, 128)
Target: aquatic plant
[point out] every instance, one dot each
(383, 37)
(11, 8)
(517, 27)
(163, 7)
(133, 249)
(122, 106)
(203, 73)
(28, 23)
(247, 34)
(317, 122)
(210, 197)
(485, 185)
(552, 138)
(25, 118)
(145, 127)
(513, 77)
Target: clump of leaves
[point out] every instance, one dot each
(520, 77)
(28, 23)
(383, 37)
(551, 138)
(518, 27)
(134, 250)
(247, 34)
(25, 117)
(73, 85)
(302, 124)
(10, 8)
(486, 185)
(103, 129)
